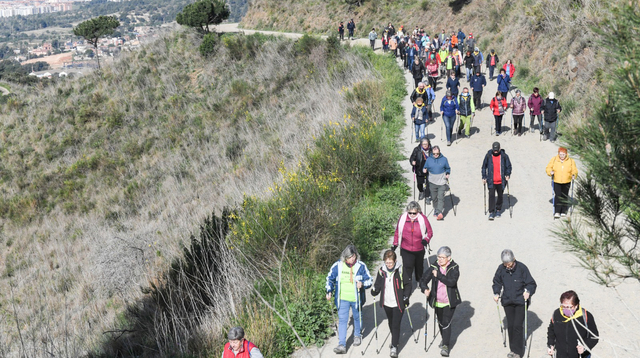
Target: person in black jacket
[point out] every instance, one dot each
(417, 159)
(572, 332)
(341, 31)
(418, 71)
(496, 177)
(351, 27)
(550, 110)
(517, 286)
(443, 295)
(395, 295)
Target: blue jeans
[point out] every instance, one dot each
(469, 73)
(410, 59)
(343, 320)
(448, 124)
(491, 68)
(420, 130)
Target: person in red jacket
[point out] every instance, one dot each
(498, 106)
(238, 347)
(413, 233)
(535, 109)
(509, 68)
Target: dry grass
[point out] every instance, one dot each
(536, 34)
(102, 179)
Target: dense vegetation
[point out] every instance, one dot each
(607, 240)
(104, 177)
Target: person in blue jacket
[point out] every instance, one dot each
(461, 37)
(477, 84)
(347, 280)
(504, 82)
(419, 116)
(448, 110)
(453, 84)
(438, 169)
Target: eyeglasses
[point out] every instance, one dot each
(442, 257)
(412, 213)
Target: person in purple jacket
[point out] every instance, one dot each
(535, 105)
(518, 106)
(413, 233)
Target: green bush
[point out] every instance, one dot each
(306, 44)
(424, 5)
(208, 45)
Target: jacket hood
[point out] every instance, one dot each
(386, 269)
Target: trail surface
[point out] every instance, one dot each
(476, 244)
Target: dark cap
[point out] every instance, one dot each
(496, 146)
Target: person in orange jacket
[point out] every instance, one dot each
(562, 170)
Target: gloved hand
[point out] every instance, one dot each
(406, 301)
(394, 247)
(425, 242)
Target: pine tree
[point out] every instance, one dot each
(203, 13)
(92, 30)
(607, 239)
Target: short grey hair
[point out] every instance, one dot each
(420, 83)
(424, 139)
(444, 250)
(235, 333)
(414, 205)
(349, 251)
(507, 256)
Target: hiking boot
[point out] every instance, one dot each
(556, 215)
(421, 196)
(394, 352)
(498, 215)
(340, 349)
(492, 216)
(445, 351)
(440, 216)
(497, 134)
(357, 340)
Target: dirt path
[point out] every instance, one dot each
(476, 244)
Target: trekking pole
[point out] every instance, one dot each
(525, 325)
(375, 318)
(512, 129)
(451, 197)
(333, 317)
(441, 122)
(485, 197)
(571, 212)
(509, 202)
(504, 336)
(359, 314)
(426, 317)
(413, 331)
(553, 196)
(435, 332)
(414, 184)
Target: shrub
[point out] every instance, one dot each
(305, 44)
(208, 45)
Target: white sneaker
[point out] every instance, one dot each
(556, 215)
(563, 215)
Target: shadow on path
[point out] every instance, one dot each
(461, 320)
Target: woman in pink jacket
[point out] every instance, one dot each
(413, 233)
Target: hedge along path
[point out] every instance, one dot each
(476, 244)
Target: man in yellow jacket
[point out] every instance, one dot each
(562, 170)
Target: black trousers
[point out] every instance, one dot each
(445, 314)
(412, 260)
(394, 317)
(504, 94)
(493, 205)
(515, 324)
(477, 99)
(417, 80)
(341, 33)
(517, 122)
(350, 33)
(498, 123)
(533, 121)
(433, 81)
(561, 200)
(420, 180)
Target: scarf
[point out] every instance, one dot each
(421, 222)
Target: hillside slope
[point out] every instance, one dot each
(104, 178)
(551, 43)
